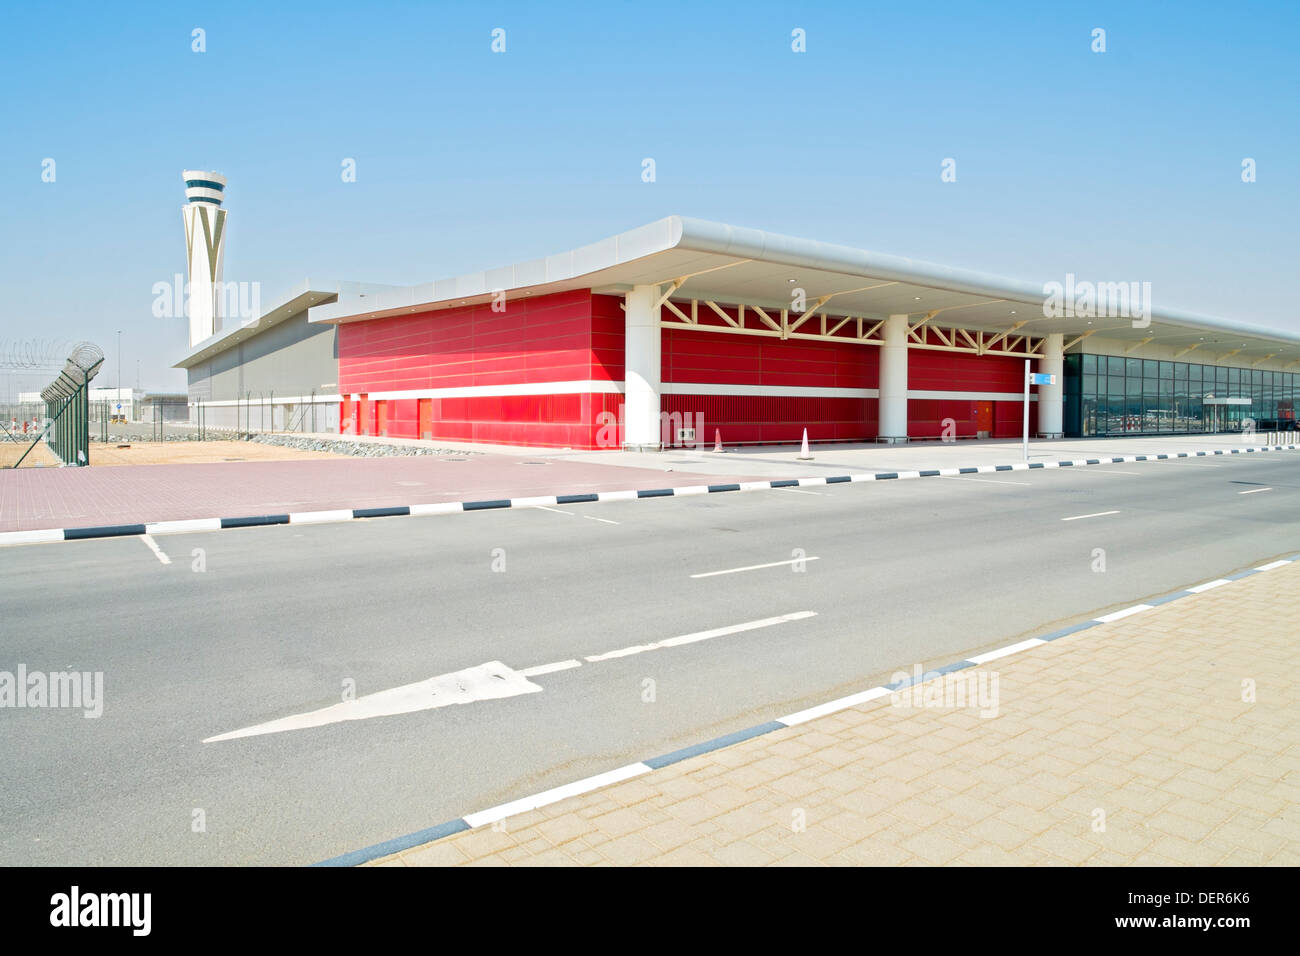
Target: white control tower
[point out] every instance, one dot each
(205, 235)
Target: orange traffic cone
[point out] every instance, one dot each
(717, 441)
(804, 454)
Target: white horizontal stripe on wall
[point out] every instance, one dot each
(614, 388)
(267, 399)
(972, 396)
(782, 391)
(479, 391)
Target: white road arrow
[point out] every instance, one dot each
(485, 682)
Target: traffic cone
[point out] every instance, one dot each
(717, 441)
(804, 454)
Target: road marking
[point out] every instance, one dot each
(488, 681)
(702, 636)
(796, 491)
(1254, 491)
(541, 669)
(991, 481)
(1095, 514)
(594, 518)
(153, 546)
(752, 567)
(556, 510)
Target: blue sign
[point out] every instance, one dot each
(1041, 378)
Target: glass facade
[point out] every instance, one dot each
(1117, 395)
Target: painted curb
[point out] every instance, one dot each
(47, 535)
(523, 805)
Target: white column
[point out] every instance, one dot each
(893, 380)
(641, 363)
(1051, 397)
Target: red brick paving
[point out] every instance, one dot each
(84, 497)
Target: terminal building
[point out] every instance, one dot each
(683, 326)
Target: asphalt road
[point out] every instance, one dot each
(910, 572)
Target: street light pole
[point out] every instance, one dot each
(119, 368)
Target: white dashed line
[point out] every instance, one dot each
(594, 518)
(1254, 491)
(550, 668)
(1095, 514)
(555, 510)
(701, 636)
(991, 481)
(752, 567)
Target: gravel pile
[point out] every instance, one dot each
(358, 449)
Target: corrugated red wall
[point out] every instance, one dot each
(578, 336)
(568, 336)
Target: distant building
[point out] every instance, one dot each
(115, 402)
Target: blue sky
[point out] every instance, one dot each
(1124, 165)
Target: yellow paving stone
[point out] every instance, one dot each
(442, 853)
(741, 853)
(619, 822)
(560, 830)
(628, 850)
(684, 856)
(932, 847)
(483, 841)
(670, 834)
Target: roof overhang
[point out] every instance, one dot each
(297, 300)
(733, 265)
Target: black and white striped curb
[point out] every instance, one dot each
(471, 821)
(47, 535)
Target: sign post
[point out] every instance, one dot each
(1025, 437)
(1033, 378)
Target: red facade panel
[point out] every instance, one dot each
(568, 336)
(578, 336)
(718, 358)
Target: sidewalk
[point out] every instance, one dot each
(1128, 743)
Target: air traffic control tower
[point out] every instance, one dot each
(205, 235)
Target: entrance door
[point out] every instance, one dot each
(381, 413)
(425, 430)
(984, 419)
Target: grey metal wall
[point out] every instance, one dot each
(291, 358)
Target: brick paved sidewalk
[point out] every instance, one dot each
(1127, 743)
(84, 497)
